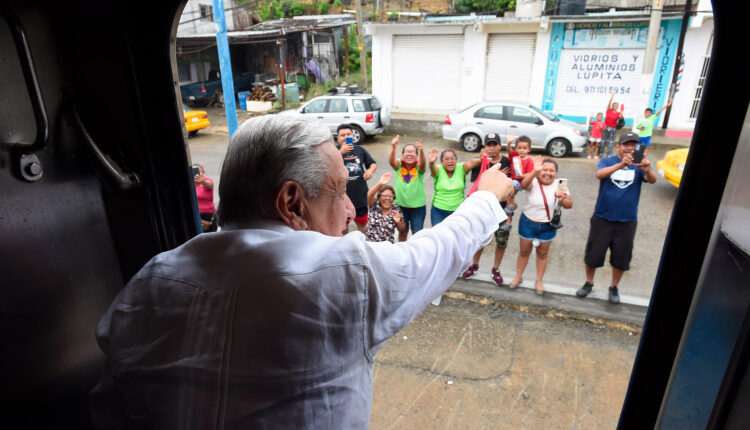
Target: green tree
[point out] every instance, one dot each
(353, 54)
(322, 7)
(484, 5)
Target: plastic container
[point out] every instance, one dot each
(292, 92)
(242, 96)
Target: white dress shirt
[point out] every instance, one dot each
(268, 327)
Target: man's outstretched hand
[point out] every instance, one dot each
(495, 181)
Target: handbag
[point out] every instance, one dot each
(554, 220)
(620, 122)
(485, 165)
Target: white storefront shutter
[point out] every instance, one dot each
(509, 60)
(586, 76)
(427, 71)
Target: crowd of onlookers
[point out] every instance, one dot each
(387, 211)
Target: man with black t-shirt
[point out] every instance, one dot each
(361, 166)
(491, 149)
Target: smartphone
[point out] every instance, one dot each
(196, 171)
(562, 185)
(638, 153)
(349, 140)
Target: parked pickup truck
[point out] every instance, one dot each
(203, 93)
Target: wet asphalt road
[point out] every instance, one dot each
(566, 252)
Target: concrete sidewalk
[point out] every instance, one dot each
(465, 365)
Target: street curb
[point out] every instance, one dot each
(625, 316)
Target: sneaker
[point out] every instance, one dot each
(596, 157)
(510, 209)
(585, 290)
(614, 296)
(505, 227)
(497, 277)
(470, 271)
(589, 157)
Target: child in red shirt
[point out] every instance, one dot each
(520, 165)
(596, 136)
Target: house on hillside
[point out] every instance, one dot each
(311, 46)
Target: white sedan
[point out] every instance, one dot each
(557, 136)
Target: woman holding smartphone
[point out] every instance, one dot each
(543, 195)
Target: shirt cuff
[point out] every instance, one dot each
(491, 200)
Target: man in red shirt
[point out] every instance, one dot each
(610, 122)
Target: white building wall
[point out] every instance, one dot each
(697, 45)
(191, 22)
(474, 66)
(474, 62)
(539, 68)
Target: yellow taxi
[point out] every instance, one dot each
(670, 168)
(195, 120)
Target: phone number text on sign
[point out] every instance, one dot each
(592, 89)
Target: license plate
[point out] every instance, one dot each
(194, 120)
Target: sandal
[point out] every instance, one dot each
(497, 277)
(470, 271)
(513, 286)
(539, 292)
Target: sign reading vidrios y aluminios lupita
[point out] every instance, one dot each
(588, 60)
(586, 77)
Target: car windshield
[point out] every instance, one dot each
(467, 107)
(544, 114)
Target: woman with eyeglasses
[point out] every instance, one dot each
(384, 216)
(450, 181)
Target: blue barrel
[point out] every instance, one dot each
(242, 96)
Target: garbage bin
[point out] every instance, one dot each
(242, 96)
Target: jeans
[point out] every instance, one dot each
(609, 134)
(414, 218)
(437, 215)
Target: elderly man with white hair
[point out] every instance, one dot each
(274, 321)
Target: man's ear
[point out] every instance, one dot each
(291, 205)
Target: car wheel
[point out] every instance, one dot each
(558, 148)
(192, 133)
(358, 135)
(470, 142)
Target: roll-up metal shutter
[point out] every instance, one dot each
(509, 60)
(586, 76)
(427, 71)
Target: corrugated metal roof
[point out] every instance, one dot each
(280, 27)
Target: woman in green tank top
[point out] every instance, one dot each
(450, 182)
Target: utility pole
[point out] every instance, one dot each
(653, 33)
(649, 58)
(678, 57)
(280, 42)
(225, 66)
(346, 48)
(361, 47)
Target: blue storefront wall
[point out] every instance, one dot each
(616, 64)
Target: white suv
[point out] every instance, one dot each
(363, 112)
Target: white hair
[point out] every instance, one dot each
(264, 153)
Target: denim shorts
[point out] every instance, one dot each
(437, 215)
(531, 230)
(414, 218)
